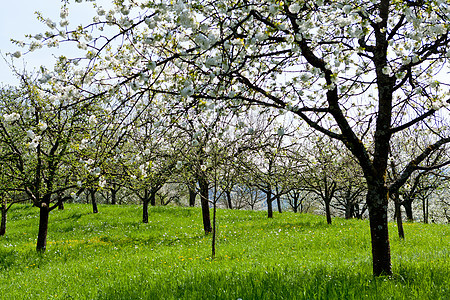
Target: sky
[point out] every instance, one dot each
(18, 18)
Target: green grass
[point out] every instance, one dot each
(112, 255)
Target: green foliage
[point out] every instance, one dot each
(112, 255)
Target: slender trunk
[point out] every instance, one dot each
(3, 221)
(398, 216)
(328, 210)
(229, 203)
(425, 210)
(145, 202)
(192, 195)
(279, 204)
(94, 201)
(349, 207)
(213, 246)
(377, 200)
(44, 211)
(269, 202)
(204, 200)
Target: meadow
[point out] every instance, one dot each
(113, 255)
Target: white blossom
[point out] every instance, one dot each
(96, 171)
(92, 120)
(387, 70)
(100, 11)
(30, 134)
(42, 126)
(11, 117)
(34, 142)
(187, 91)
(102, 182)
(347, 9)
(294, 8)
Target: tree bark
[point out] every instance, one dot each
(192, 195)
(407, 204)
(279, 203)
(204, 200)
(94, 201)
(113, 194)
(3, 221)
(328, 210)
(229, 203)
(425, 210)
(152, 197)
(294, 198)
(145, 202)
(377, 200)
(398, 216)
(145, 212)
(269, 202)
(44, 211)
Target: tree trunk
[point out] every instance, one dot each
(279, 204)
(44, 211)
(94, 201)
(3, 221)
(145, 202)
(348, 210)
(269, 202)
(407, 204)
(328, 210)
(152, 197)
(229, 203)
(192, 195)
(213, 245)
(61, 205)
(425, 210)
(398, 216)
(377, 200)
(204, 200)
(145, 212)
(113, 194)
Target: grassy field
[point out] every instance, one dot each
(112, 255)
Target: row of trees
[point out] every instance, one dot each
(193, 77)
